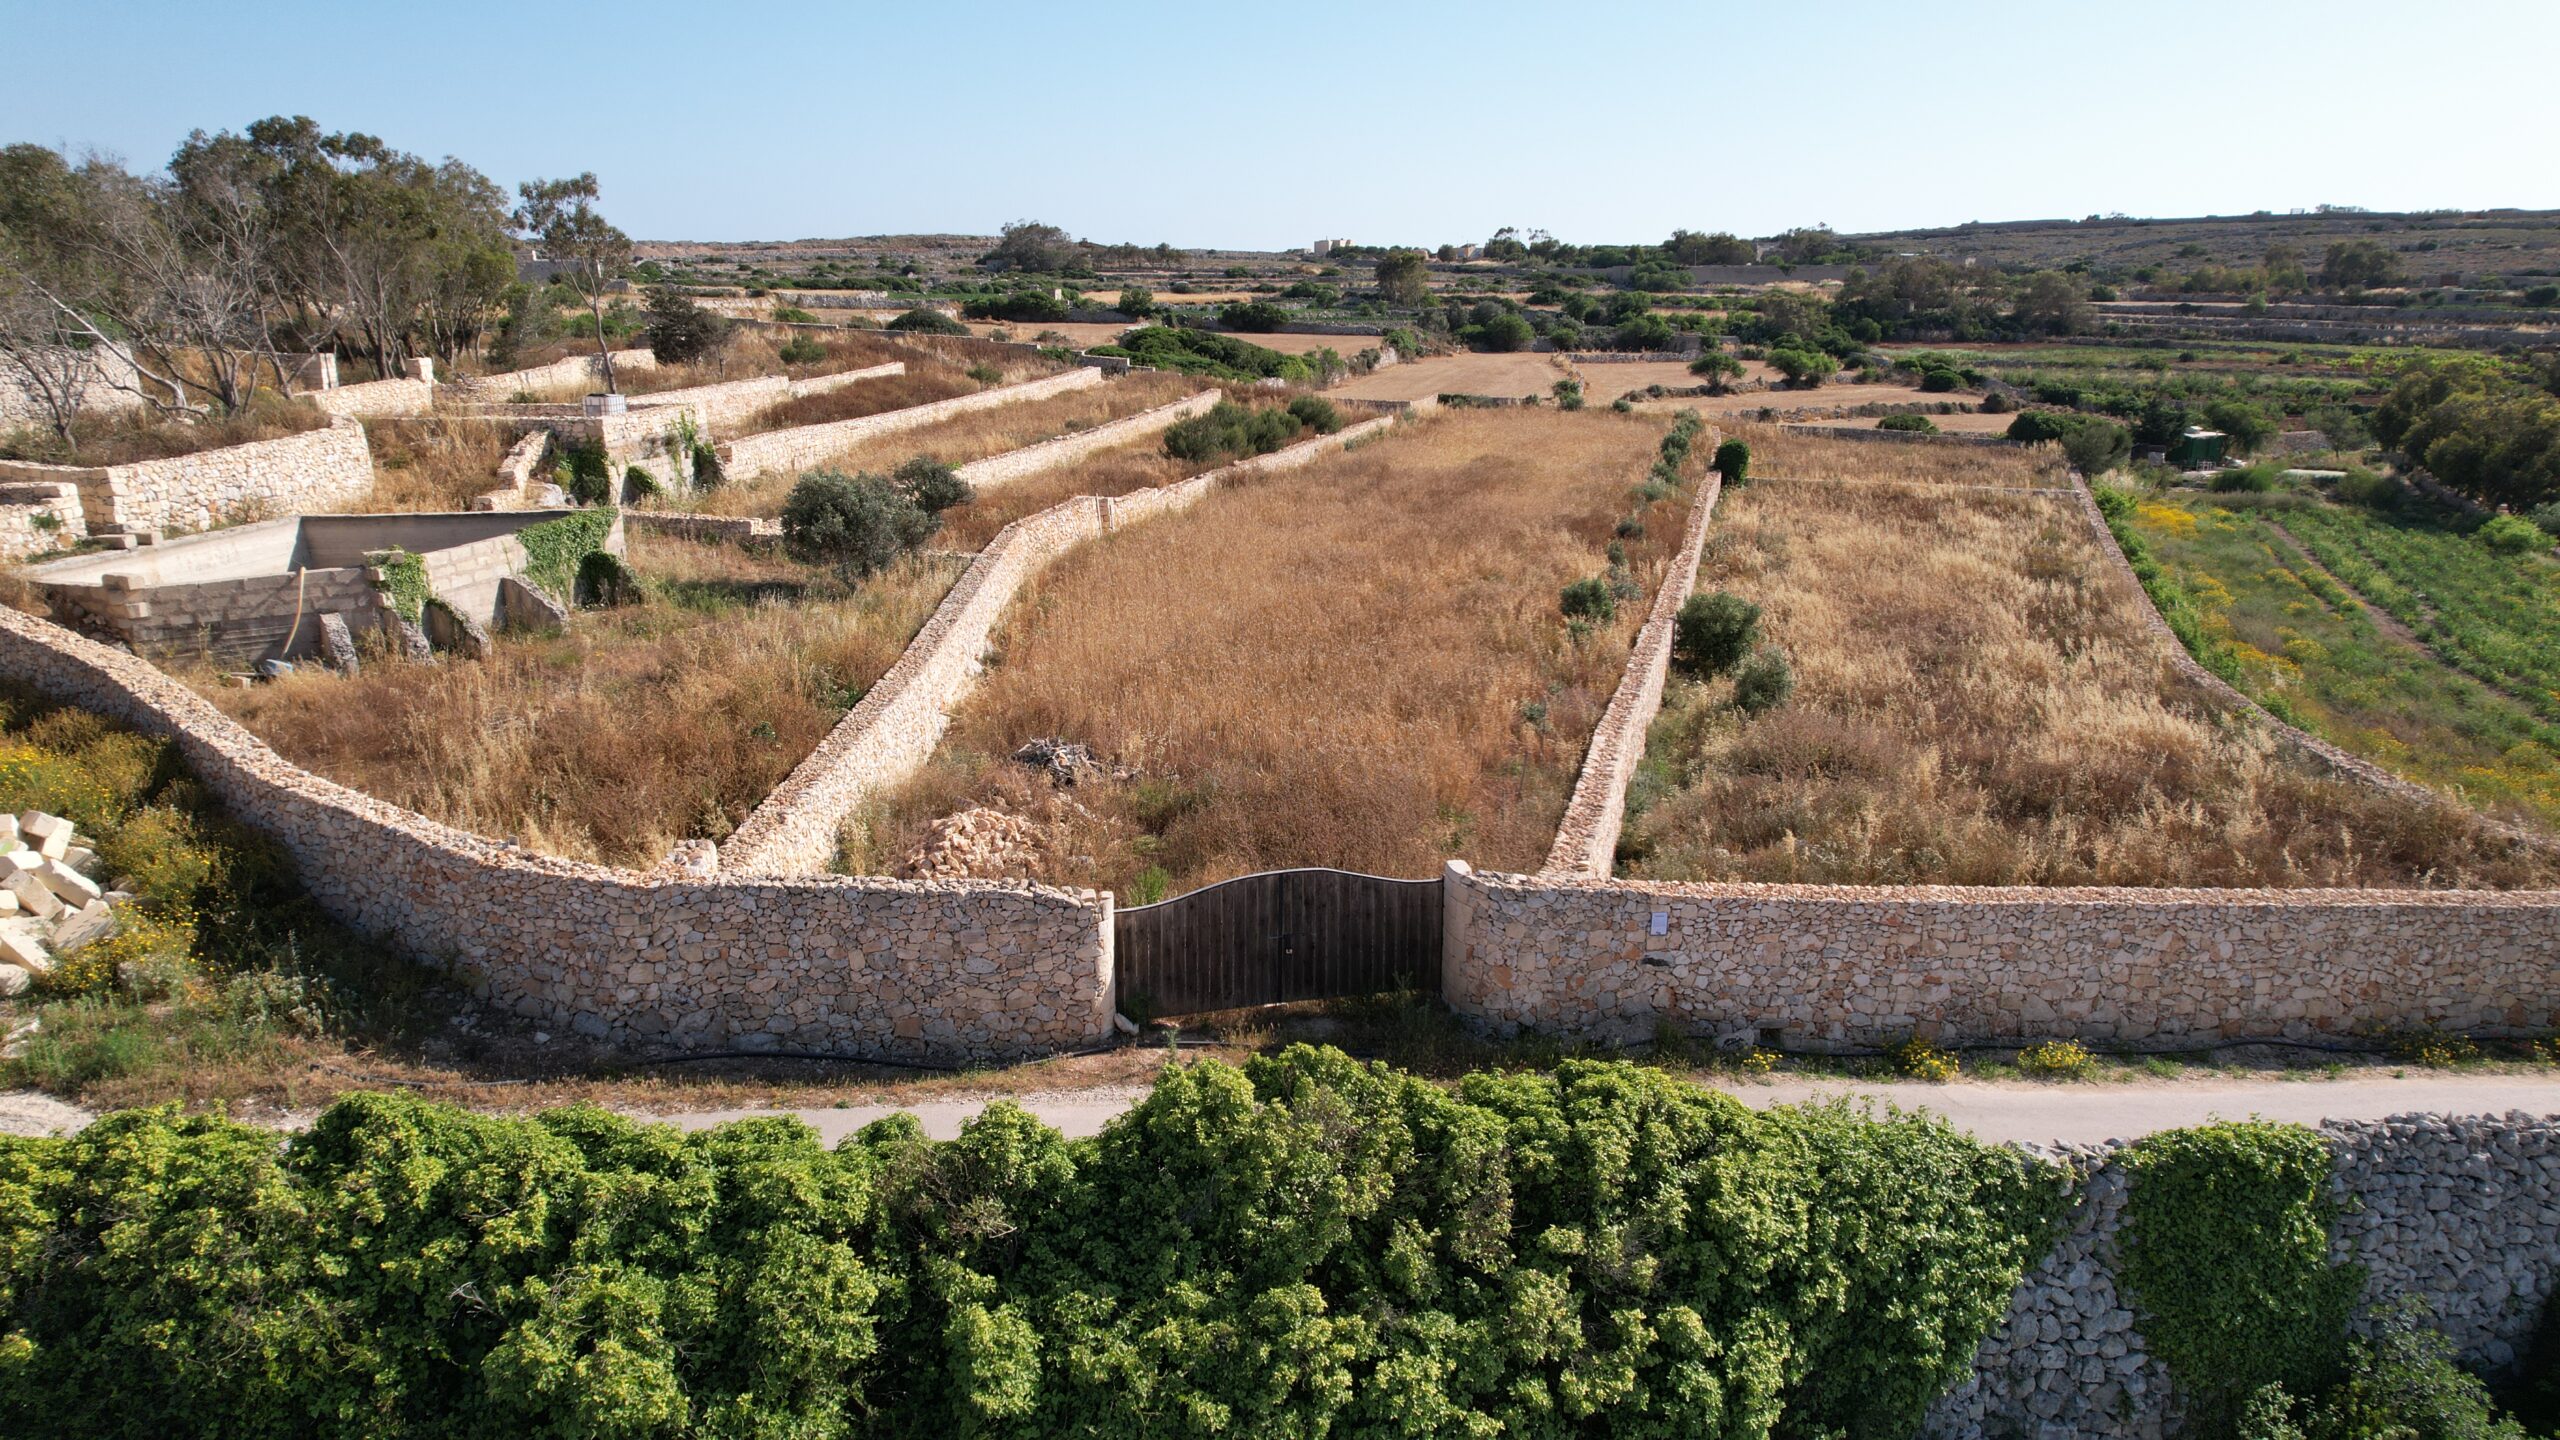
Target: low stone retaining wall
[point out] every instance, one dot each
(1586, 843)
(1847, 965)
(730, 529)
(310, 471)
(998, 470)
(1871, 436)
(669, 959)
(559, 374)
(733, 402)
(2463, 1213)
(890, 735)
(803, 446)
(39, 515)
(376, 399)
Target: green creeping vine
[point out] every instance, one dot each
(2226, 1255)
(1304, 1246)
(404, 576)
(554, 549)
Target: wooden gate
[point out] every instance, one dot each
(1278, 936)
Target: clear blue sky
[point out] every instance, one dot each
(1266, 126)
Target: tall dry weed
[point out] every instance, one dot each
(1979, 701)
(1359, 663)
(633, 729)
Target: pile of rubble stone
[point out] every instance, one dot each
(976, 844)
(50, 904)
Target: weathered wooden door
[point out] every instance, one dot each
(1278, 936)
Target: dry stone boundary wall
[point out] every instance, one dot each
(559, 374)
(315, 470)
(733, 402)
(1821, 966)
(998, 470)
(26, 505)
(671, 959)
(376, 399)
(890, 734)
(1586, 843)
(803, 446)
(2462, 1213)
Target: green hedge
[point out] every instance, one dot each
(1304, 1246)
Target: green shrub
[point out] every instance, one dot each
(931, 486)
(2512, 535)
(1590, 600)
(2360, 486)
(855, 522)
(1733, 462)
(2226, 1256)
(1259, 317)
(1305, 1245)
(793, 315)
(1230, 429)
(1712, 633)
(584, 475)
(1568, 394)
(802, 350)
(2249, 479)
(1911, 424)
(604, 580)
(1804, 368)
(639, 484)
(928, 322)
(1137, 302)
(1764, 681)
(2546, 518)
(2400, 1384)
(707, 474)
(1316, 413)
(680, 331)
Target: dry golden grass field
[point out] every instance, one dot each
(633, 729)
(1979, 701)
(1080, 334)
(1970, 422)
(1359, 663)
(1793, 453)
(1522, 373)
(1826, 397)
(970, 435)
(1604, 381)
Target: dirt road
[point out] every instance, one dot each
(2020, 1112)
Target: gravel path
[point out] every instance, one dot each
(2076, 1114)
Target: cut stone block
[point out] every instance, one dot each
(14, 980)
(8, 902)
(93, 922)
(48, 835)
(34, 896)
(8, 832)
(19, 946)
(450, 629)
(75, 888)
(522, 607)
(338, 645)
(82, 859)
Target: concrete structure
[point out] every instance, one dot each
(257, 592)
(309, 471)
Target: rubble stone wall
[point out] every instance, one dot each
(998, 470)
(310, 471)
(2460, 1212)
(1853, 965)
(1586, 843)
(541, 379)
(24, 509)
(376, 399)
(672, 958)
(803, 446)
(888, 736)
(732, 402)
